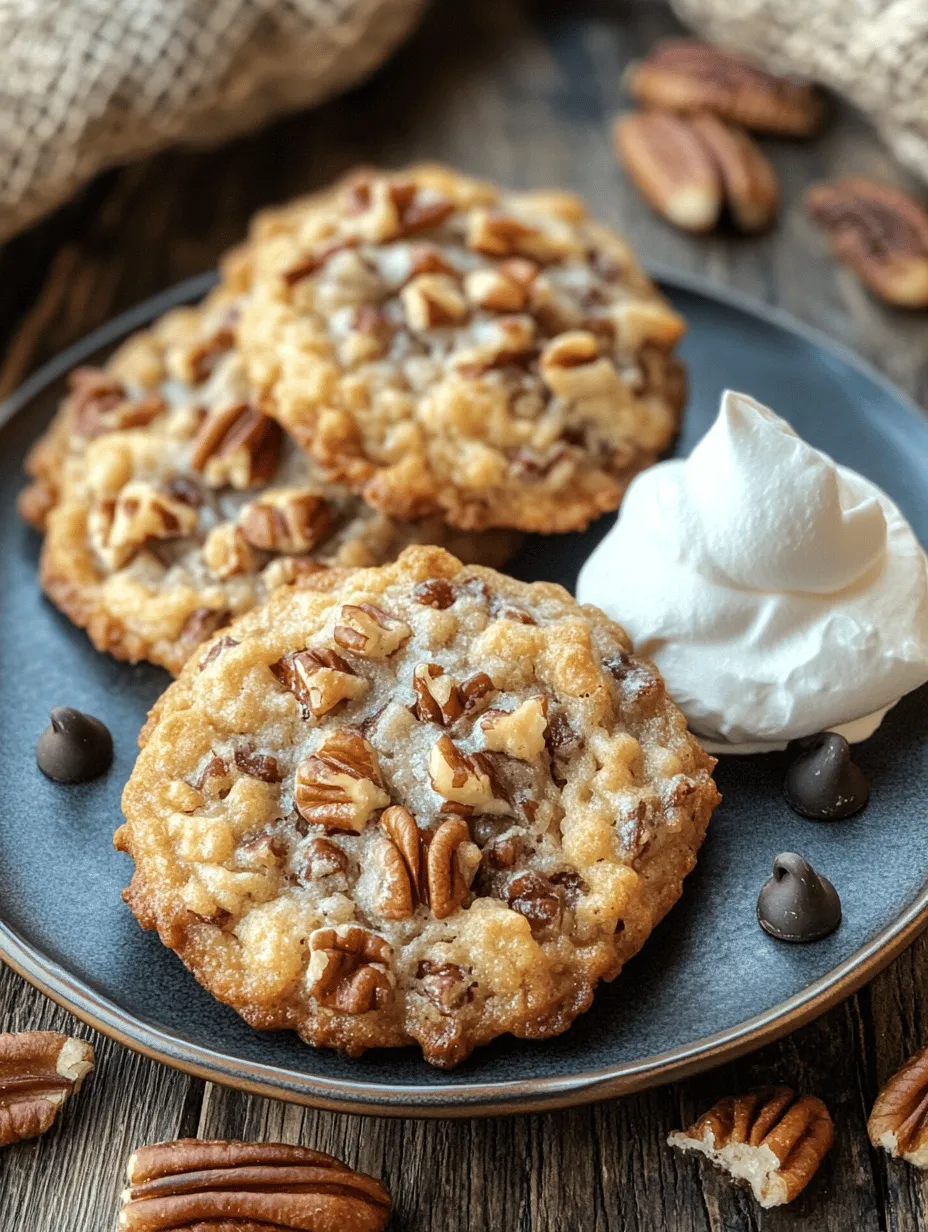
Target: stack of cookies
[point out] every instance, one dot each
(391, 797)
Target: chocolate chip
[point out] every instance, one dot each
(823, 783)
(74, 747)
(797, 904)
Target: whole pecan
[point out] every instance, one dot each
(899, 1120)
(879, 232)
(404, 873)
(769, 1138)
(749, 182)
(39, 1070)
(451, 861)
(200, 1184)
(349, 969)
(340, 785)
(684, 75)
(671, 168)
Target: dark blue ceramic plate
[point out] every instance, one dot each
(708, 985)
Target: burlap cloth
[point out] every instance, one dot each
(874, 52)
(86, 84)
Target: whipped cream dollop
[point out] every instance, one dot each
(779, 593)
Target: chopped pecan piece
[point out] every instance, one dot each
(319, 679)
(314, 261)
(226, 551)
(432, 301)
(451, 862)
(237, 445)
(635, 680)
(259, 765)
(119, 529)
(768, 1138)
(202, 623)
(213, 779)
(436, 592)
(349, 969)
(100, 403)
(504, 342)
(323, 859)
(39, 1070)
(218, 647)
(671, 168)
(535, 897)
(475, 690)
(899, 1120)
(370, 632)
(519, 732)
(339, 786)
(879, 232)
(388, 209)
(465, 779)
(404, 873)
(291, 520)
(499, 235)
(446, 985)
(438, 698)
(196, 1183)
(685, 75)
(195, 364)
(495, 290)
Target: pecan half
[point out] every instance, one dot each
(671, 168)
(685, 75)
(899, 1120)
(287, 520)
(879, 232)
(339, 786)
(237, 445)
(438, 699)
(349, 969)
(369, 631)
(39, 1070)
(195, 1183)
(446, 985)
(451, 861)
(769, 1138)
(465, 779)
(403, 856)
(319, 679)
(751, 188)
(519, 732)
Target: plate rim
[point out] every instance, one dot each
(471, 1098)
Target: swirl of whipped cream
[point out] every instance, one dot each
(779, 593)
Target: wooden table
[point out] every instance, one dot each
(523, 93)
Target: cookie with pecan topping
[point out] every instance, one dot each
(429, 803)
(171, 504)
(444, 346)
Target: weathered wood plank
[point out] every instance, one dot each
(524, 93)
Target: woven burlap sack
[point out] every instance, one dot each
(86, 84)
(874, 52)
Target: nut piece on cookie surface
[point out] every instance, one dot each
(417, 837)
(770, 1138)
(199, 1183)
(899, 1120)
(39, 1071)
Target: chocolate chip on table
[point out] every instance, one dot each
(823, 783)
(74, 747)
(796, 903)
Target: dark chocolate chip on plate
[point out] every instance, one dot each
(823, 783)
(74, 747)
(797, 903)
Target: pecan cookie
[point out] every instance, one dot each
(431, 803)
(443, 346)
(171, 505)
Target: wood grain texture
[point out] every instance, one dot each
(524, 93)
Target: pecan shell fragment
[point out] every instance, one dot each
(877, 231)
(899, 1120)
(200, 1184)
(769, 1138)
(39, 1070)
